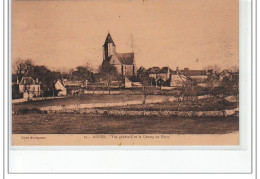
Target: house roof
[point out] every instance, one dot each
(165, 70)
(27, 81)
(72, 83)
(195, 72)
(109, 40)
(141, 69)
(154, 70)
(60, 81)
(179, 72)
(178, 76)
(126, 58)
(225, 72)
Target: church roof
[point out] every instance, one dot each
(109, 40)
(126, 58)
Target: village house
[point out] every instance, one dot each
(141, 71)
(124, 62)
(177, 78)
(164, 74)
(225, 75)
(29, 87)
(153, 72)
(60, 88)
(65, 87)
(199, 76)
(168, 77)
(74, 87)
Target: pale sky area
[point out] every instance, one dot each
(183, 33)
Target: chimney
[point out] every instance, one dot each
(37, 81)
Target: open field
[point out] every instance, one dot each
(213, 104)
(83, 99)
(99, 124)
(202, 104)
(31, 120)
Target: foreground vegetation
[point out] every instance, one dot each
(213, 104)
(99, 124)
(29, 119)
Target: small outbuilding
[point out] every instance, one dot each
(60, 88)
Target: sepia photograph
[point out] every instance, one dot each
(125, 72)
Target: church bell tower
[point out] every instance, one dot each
(109, 48)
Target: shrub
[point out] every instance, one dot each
(30, 111)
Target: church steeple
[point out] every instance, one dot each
(109, 47)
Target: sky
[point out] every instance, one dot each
(175, 33)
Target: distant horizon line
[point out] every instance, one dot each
(95, 69)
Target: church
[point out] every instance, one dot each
(124, 62)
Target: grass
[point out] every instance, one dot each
(83, 99)
(98, 124)
(28, 119)
(213, 104)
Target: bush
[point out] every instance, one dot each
(29, 111)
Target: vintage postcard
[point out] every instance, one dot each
(125, 72)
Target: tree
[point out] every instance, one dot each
(189, 92)
(108, 73)
(143, 77)
(23, 67)
(228, 88)
(119, 79)
(179, 94)
(83, 73)
(52, 78)
(41, 72)
(234, 69)
(216, 68)
(46, 77)
(210, 87)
